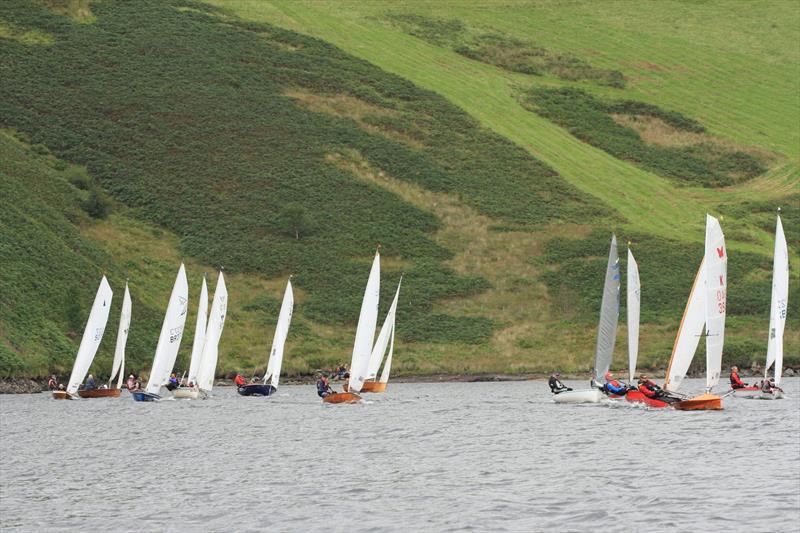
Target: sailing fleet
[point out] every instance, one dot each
(703, 317)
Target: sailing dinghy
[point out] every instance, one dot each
(269, 384)
(606, 333)
(190, 390)
(365, 334)
(92, 335)
(118, 366)
(705, 307)
(216, 322)
(168, 341)
(777, 314)
(385, 339)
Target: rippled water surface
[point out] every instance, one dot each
(428, 457)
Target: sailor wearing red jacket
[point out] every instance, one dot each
(736, 381)
(648, 387)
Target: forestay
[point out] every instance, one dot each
(386, 333)
(365, 331)
(689, 331)
(633, 306)
(171, 332)
(118, 367)
(92, 335)
(279, 340)
(199, 333)
(216, 322)
(779, 303)
(609, 314)
(716, 265)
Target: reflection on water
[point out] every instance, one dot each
(431, 457)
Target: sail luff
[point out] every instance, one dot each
(199, 333)
(92, 335)
(118, 367)
(778, 304)
(609, 314)
(379, 350)
(171, 332)
(365, 331)
(207, 366)
(688, 335)
(716, 265)
(279, 339)
(633, 309)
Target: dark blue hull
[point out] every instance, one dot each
(257, 389)
(143, 396)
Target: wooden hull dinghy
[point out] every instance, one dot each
(144, 396)
(746, 392)
(342, 397)
(257, 389)
(704, 402)
(99, 393)
(186, 392)
(578, 396)
(635, 396)
(369, 386)
(61, 395)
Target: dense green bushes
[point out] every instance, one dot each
(591, 120)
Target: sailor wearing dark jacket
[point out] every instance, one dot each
(555, 384)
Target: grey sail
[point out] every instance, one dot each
(609, 314)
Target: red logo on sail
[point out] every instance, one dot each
(721, 281)
(721, 251)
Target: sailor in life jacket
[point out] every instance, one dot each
(613, 386)
(239, 380)
(648, 387)
(555, 384)
(736, 381)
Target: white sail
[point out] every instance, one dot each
(92, 335)
(387, 331)
(216, 322)
(779, 303)
(365, 331)
(387, 366)
(279, 339)
(633, 301)
(694, 318)
(199, 333)
(118, 368)
(609, 314)
(171, 332)
(716, 264)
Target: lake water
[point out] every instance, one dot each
(425, 457)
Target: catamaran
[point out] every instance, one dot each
(190, 390)
(92, 335)
(269, 384)
(706, 307)
(365, 334)
(169, 341)
(606, 333)
(777, 314)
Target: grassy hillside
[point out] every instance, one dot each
(222, 136)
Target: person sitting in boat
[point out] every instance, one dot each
(612, 386)
(130, 383)
(736, 381)
(172, 382)
(555, 384)
(324, 387)
(61, 386)
(52, 383)
(768, 385)
(650, 388)
(254, 380)
(239, 380)
(90, 384)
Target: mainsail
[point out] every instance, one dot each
(386, 333)
(365, 331)
(92, 335)
(689, 332)
(118, 367)
(171, 332)
(609, 314)
(716, 265)
(633, 301)
(279, 339)
(216, 322)
(779, 302)
(199, 333)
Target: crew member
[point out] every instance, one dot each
(613, 386)
(649, 388)
(239, 380)
(323, 387)
(90, 384)
(172, 383)
(130, 384)
(736, 381)
(52, 383)
(555, 384)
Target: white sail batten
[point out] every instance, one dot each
(279, 339)
(216, 322)
(609, 314)
(199, 333)
(118, 367)
(633, 309)
(387, 331)
(689, 332)
(171, 332)
(779, 303)
(365, 331)
(716, 265)
(92, 335)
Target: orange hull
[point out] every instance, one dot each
(99, 393)
(342, 397)
(369, 386)
(61, 395)
(704, 402)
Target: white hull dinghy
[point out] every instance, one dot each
(579, 396)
